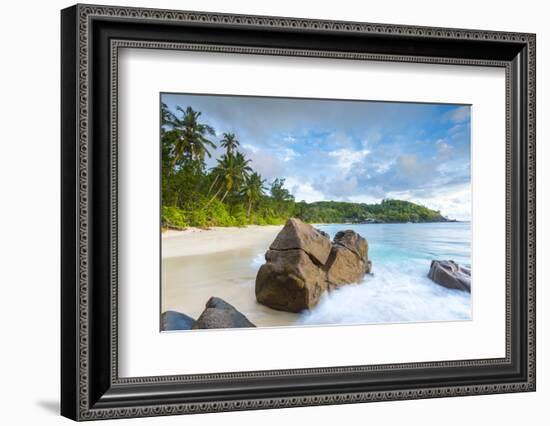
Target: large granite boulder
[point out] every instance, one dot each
(220, 314)
(302, 263)
(349, 259)
(173, 320)
(450, 274)
(290, 281)
(354, 242)
(344, 267)
(299, 235)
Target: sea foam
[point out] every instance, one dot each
(393, 293)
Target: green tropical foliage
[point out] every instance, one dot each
(232, 193)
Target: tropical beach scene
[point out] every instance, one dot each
(280, 212)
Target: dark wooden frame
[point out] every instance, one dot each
(91, 37)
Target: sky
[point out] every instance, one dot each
(358, 151)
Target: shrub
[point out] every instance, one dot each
(217, 214)
(172, 217)
(239, 215)
(197, 217)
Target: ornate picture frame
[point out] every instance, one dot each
(91, 37)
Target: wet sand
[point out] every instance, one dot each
(222, 262)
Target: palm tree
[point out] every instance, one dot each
(219, 172)
(238, 172)
(190, 136)
(230, 143)
(232, 171)
(166, 115)
(253, 190)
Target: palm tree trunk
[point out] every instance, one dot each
(212, 199)
(212, 186)
(249, 207)
(224, 195)
(176, 199)
(174, 161)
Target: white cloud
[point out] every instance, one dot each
(346, 158)
(341, 139)
(457, 131)
(339, 188)
(364, 198)
(444, 150)
(250, 147)
(407, 164)
(303, 190)
(459, 115)
(454, 202)
(268, 165)
(383, 166)
(289, 154)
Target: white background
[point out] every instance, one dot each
(146, 352)
(29, 225)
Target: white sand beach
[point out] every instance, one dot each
(198, 264)
(195, 241)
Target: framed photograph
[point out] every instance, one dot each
(263, 212)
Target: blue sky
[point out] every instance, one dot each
(350, 150)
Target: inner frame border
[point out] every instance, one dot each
(117, 44)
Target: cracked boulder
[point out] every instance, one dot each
(299, 235)
(353, 242)
(348, 261)
(289, 281)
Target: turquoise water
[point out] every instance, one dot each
(398, 290)
(395, 242)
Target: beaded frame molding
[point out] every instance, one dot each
(91, 38)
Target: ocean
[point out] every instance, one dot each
(398, 290)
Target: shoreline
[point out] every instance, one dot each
(168, 230)
(196, 241)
